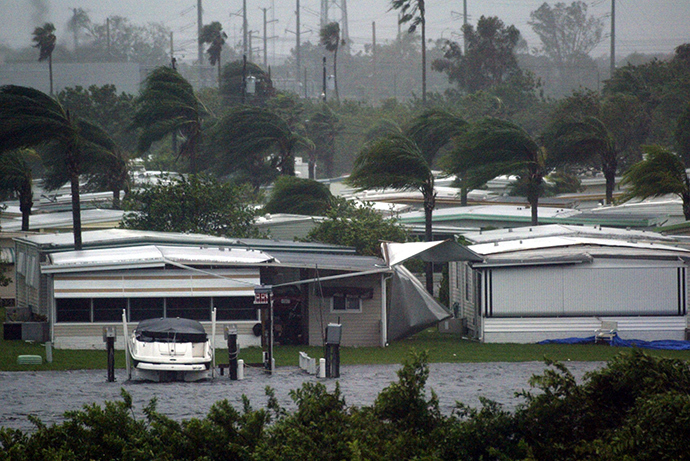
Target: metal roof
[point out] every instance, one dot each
(62, 220)
(109, 238)
(522, 214)
(553, 230)
(148, 256)
(548, 244)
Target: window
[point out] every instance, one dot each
(188, 308)
(145, 308)
(237, 308)
(346, 304)
(108, 309)
(73, 310)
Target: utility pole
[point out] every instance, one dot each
(373, 58)
(107, 36)
(323, 90)
(298, 57)
(613, 37)
(464, 23)
(172, 52)
(200, 47)
(324, 13)
(244, 27)
(344, 31)
(266, 22)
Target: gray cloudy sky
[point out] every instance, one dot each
(646, 26)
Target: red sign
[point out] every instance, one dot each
(261, 298)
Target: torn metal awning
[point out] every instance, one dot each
(440, 251)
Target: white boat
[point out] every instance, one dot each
(170, 349)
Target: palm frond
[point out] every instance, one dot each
(393, 161)
(660, 173)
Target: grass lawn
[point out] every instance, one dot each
(441, 347)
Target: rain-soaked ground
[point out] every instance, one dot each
(48, 394)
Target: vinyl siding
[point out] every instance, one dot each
(360, 329)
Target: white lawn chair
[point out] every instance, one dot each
(607, 332)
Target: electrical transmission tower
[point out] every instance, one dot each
(336, 5)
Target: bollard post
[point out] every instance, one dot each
(109, 335)
(240, 370)
(49, 352)
(233, 352)
(322, 368)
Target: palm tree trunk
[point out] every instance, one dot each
(610, 176)
(609, 167)
(218, 72)
(429, 205)
(423, 55)
(76, 211)
(116, 198)
(686, 205)
(50, 72)
(335, 74)
(25, 204)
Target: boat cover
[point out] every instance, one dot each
(172, 329)
(412, 308)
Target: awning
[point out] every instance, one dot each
(412, 308)
(441, 251)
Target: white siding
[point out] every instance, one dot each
(532, 330)
(585, 289)
(156, 283)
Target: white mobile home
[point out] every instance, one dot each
(154, 274)
(557, 282)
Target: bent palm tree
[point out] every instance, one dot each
(16, 178)
(433, 130)
(330, 39)
(45, 42)
(660, 173)
(578, 142)
(255, 139)
(493, 147)
(167, 106)
(396, 161)
(213, 35)
(32, 118)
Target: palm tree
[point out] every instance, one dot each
(79, 21)
(572, 141)
(396, 161)
(493, 147)
(32, 118)
(295, 195)
(167, 106)
(330, 39)
(660, 173)
(432, 131)
(213, 35)
(45, 42)
(256, 140)
(414, 12)
(16, 178)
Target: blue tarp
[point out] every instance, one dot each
(668, 344)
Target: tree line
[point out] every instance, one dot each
(636, 407)
(495, 122)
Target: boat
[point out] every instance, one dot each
(169, 349)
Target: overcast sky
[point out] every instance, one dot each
(646, 26)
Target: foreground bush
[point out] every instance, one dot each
(636, 408)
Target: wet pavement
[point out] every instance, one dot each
(49, 394)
